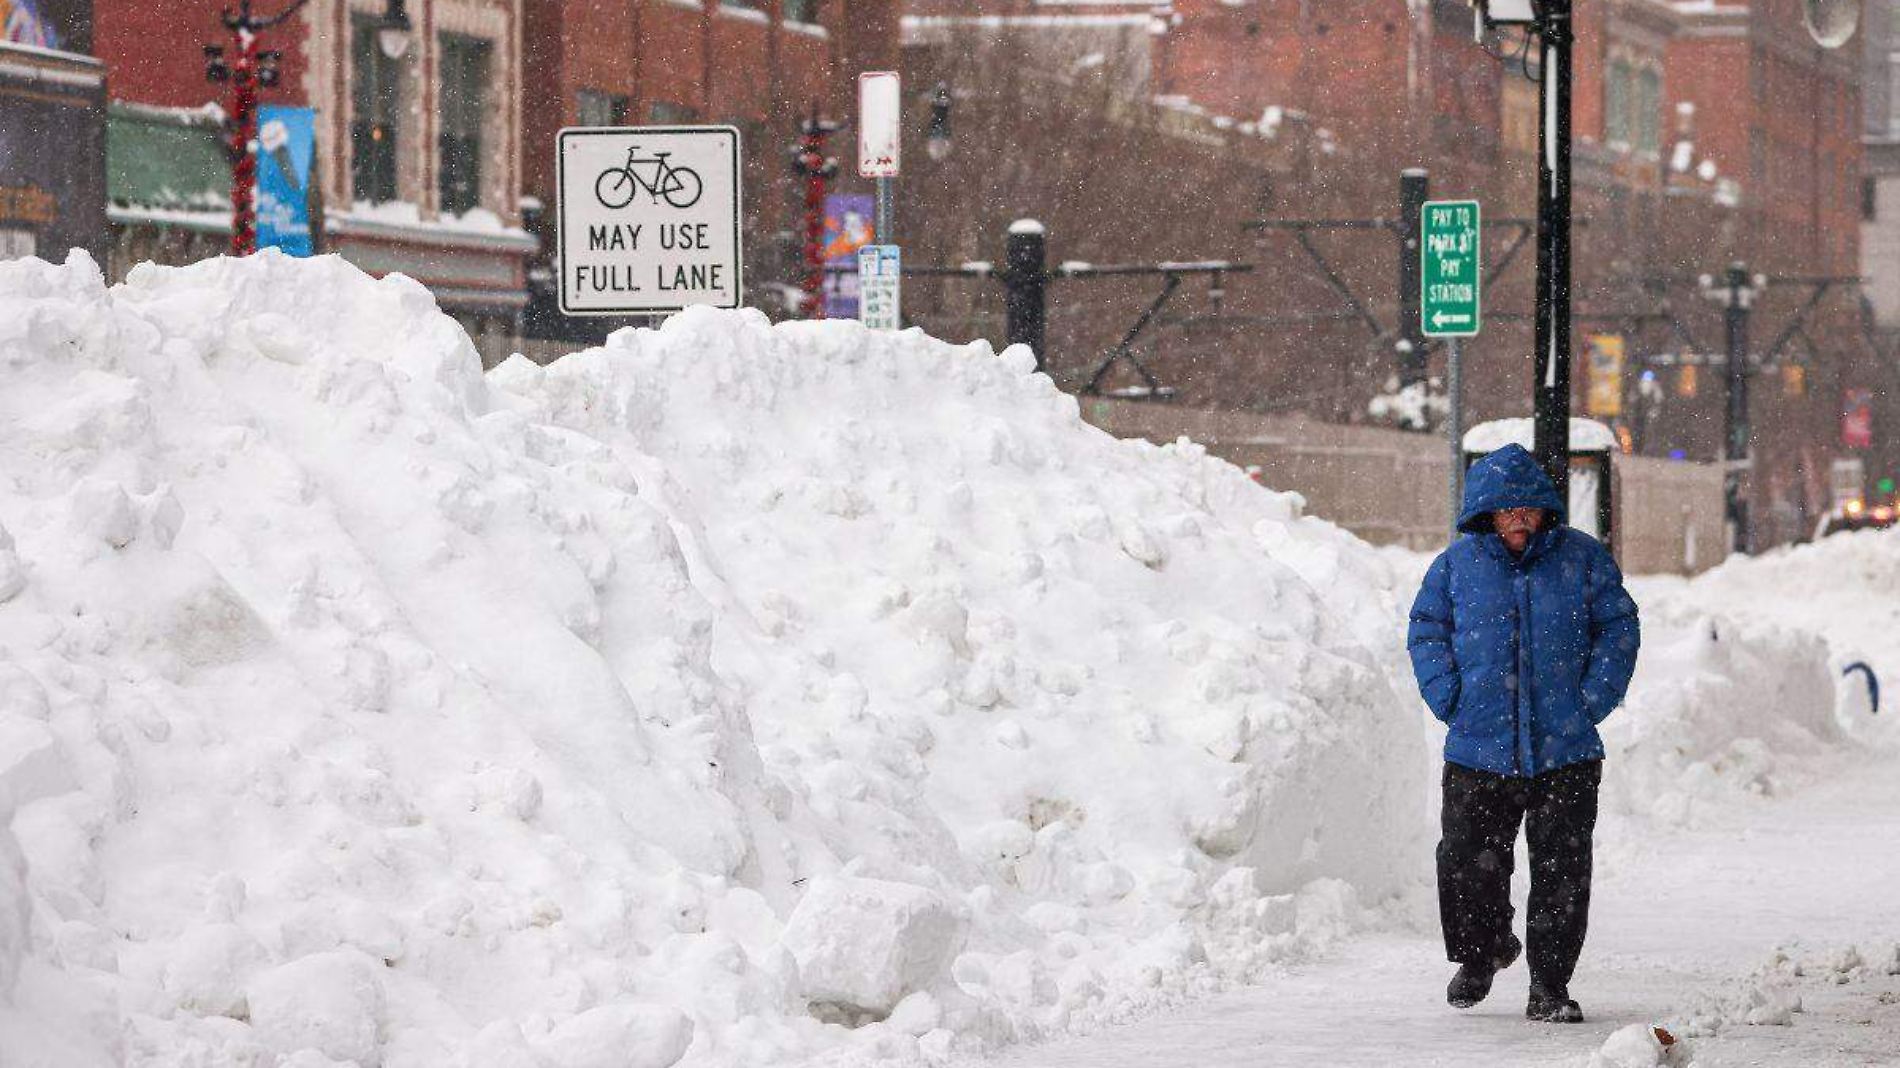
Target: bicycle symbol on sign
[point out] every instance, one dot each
(678, 186)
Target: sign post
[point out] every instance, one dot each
(648, 219)
(1451, 284)
(880, 129)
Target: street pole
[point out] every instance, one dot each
(243, 134)
(1551, 392)
(1455, 428)
(808, 159)
(1414, 189)
(886, 228)
(1739, 297)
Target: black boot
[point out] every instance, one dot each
(1472, 983)
(1552, 1006)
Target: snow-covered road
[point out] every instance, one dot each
(1679, 917)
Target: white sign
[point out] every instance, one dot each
(648, 219)
(1510, 11)
(880, 267)
(880, 121)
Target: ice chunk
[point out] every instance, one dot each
(865, 943)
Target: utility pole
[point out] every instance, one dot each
(1551, 410)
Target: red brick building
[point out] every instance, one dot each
(417, 161)
(760, 65)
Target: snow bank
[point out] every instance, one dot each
(1844, 589)
(728, 695)
(1720, 707)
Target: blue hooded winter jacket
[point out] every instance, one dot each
(1521, 656)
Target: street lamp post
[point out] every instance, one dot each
(251, 68)
(1736, 292)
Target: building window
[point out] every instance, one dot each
(373, 100)
(805, 11)
(464, 91)
(1869, 199)
(595, 108)
(665, 111)
(1893, 93)
(1649, 110)
(1616, 104)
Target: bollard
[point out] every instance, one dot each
(1025, 281)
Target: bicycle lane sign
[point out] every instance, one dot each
(648, 219)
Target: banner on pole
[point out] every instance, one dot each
(1607, 352)
(847, 229)
(286, 139)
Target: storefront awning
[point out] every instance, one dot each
(166, 159)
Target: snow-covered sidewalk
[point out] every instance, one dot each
(1686, 927)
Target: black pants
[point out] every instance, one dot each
(1475, 858)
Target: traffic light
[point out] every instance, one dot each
(1885, 485)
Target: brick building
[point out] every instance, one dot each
(1880, 227)
(417, 162)
(1704, 133)
(759, 65)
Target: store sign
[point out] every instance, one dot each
(648, 219)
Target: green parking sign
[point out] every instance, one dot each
(1450, 303)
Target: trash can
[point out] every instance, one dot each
(1592, 489)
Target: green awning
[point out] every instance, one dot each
(165, 158)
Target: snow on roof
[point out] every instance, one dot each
(1586, 435)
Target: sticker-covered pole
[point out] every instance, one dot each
(880, 128)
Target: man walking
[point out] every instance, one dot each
(1523, 640)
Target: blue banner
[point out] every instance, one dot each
(286, 139)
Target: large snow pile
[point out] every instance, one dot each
(728, 695)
